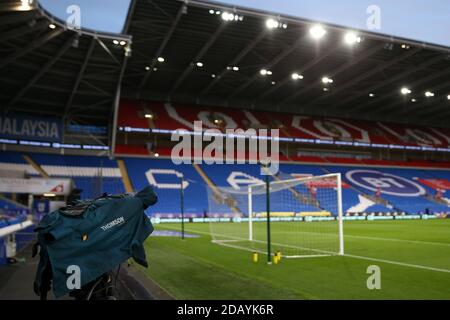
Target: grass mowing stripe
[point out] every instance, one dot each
(208, 271)
(352, 256)
(189, 276)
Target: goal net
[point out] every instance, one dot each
(300, 217)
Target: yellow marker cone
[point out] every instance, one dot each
(279, 256)
(275, 259)
(255, 257)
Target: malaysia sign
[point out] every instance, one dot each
(30, 128)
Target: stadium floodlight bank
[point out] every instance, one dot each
(300, 217)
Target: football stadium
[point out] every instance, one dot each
(235, 150)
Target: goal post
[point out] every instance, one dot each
(305, 216)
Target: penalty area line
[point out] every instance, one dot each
(403, 264)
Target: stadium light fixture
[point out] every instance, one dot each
(429, 94)
(448, 97)
(147, 68)
(213, 75)
(25, 5)
(149, 116)
(265, 72)
(49, 195)
(116, 42)
(227, 16)
(52, 26)
(326, 89)
(351, 38)
(156, 154)
(413, 100)
(161, 59)
(405, 91)
(317, 32)
(273, 83)
(212, 11)
(272, 23)
(327, 80)
(123, 43)
(371, 95)
(199, 64)
(235, 68)
(296, 76)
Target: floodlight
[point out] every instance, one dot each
(351, 38)
(405, 91)
(272, 24)
(317, 32)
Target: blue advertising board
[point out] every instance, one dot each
(30, 128)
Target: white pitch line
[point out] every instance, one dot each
(400, 240)
(371, 238)
(398, 263)
(417, 266)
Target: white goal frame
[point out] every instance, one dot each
(338, 178)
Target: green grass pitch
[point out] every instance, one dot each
(414, 257)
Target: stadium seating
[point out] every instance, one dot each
(94, 175)
(11, 213)
(167, 116)
(409, 190)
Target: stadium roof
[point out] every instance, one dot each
(184, 34)
(46, 68)
(209, 61)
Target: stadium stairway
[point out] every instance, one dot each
(36, 166)
(125, 177)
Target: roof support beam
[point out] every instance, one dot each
(159, 8)
(33, 45)
(79, 77)
(234, 62)
(103, 92)
(421, 81)
(19, 17)
(399, 76)
(382, 66)
(309, 65)
(41, 72)
(271, 64)
(161, 48)
(130, 15)
(351, 64)
(198, 57)
(116, 105)
(22, 30)
(103, 45)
